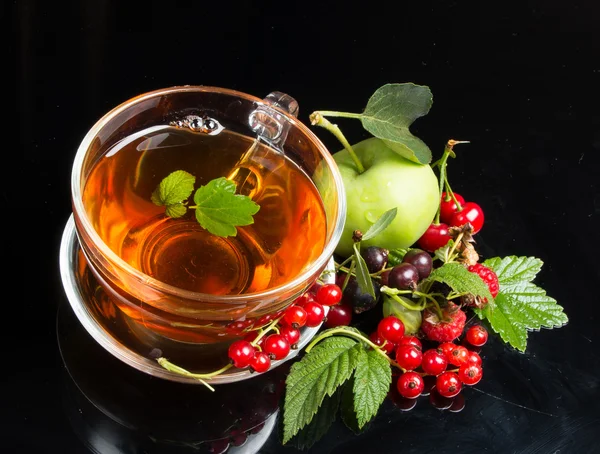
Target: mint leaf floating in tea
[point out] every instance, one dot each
(520, 305)
(173, 191)
(218, 208)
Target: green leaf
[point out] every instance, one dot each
(174, 188)
(372, 380)
(329, 364)
(520, 305)
(512, 269)
(389, 113)
(443, 253)
(363, 277)
(460, 280)
(176, 211)
(219, 210)
(395, 256)
(320, 424)
(380, 224)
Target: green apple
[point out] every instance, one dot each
(389, 181)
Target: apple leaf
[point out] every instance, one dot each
(381, 224)
(389, 113)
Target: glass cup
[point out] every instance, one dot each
(267, 128)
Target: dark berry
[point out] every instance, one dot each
(410, 385)
(448, 207)
(277, 346)
(408, 357)
(477, 335)
(241, 353)
(404, 277)
(315, 313)
(360, 300)
(448, 384)
(434, 362)
(421, 260)
(470, 374)
(339, 315)
(261, 362)
(375, 257)
(391, 329)
(471, 213)
(329, 295)
(435, 237)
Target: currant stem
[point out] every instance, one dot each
(318, 119)
(442, 162)
(450, 195)
(200, 377)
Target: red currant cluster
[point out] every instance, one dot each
(454, 212)
(451, 364)
(274, 341)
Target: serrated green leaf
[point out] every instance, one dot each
(363, 278)
(219, 210)
(395, 256)
(512, 269)
(520, 308)
(320, 372)
(320, 424)
(347, 407)
(174, 188)
(372, 379)
(460, 280)
(443, 253)
(389, 113)
(176, 211)
(380, 224)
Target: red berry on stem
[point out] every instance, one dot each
(448, 384)
(339, 315)
(411, 340)
(391, 329)
(329, 295)
(470, 374)
(408, 357)
(458, 356)
(388, 347)
(474, 358)
(304, 298)
(294, 316)
(435, 237)
(290, 333)
(448, 207)
(434, 362)
(277, 346)
(446, 329)
(241, 353)
(410, 385)
(447, 348)
(253, 335)
(477, 335)
(315, 313)
(261, 362)
(472, 213)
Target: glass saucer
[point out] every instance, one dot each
(112, 329)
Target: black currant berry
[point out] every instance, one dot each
(403, 277)
(360, 300)
(421, 260)
(376, 258)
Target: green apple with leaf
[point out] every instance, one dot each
(389, 170)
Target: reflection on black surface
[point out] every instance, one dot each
(114, 408)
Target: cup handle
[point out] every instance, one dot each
(270, 123)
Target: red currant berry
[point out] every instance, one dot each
(448, 207)
(339, 315)
(290, 333)
(329, 295)
(315, 313)
(238, 327)
(458, 356)
(472, 213)
(477, 335)
(277, 346)
(391, 329)
(294, 316)
(411, 340)
(448, 384)
(447, 348)
(435, 237)
(410, 385)
(470, 374)
(408, 357)
(434, 362)
(261, 362)
(241, 353)
(304, 298)
(253, 335)
(474, 358)
(387, 347)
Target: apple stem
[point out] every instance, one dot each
(448, 151)
(318, 119)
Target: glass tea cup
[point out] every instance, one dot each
(169, 277)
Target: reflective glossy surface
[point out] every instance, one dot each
(517, 79)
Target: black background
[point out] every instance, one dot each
(517, 79)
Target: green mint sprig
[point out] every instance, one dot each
(218, 208)
(520, 305)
